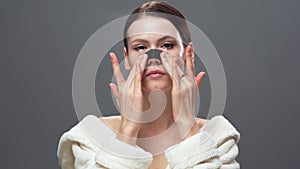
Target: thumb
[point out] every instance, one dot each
(199, 78)
(114, 89)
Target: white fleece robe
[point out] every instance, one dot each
(214, 147)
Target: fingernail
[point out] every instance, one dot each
(189, 49)
(145, 56)
(162, 54)
(111, 56)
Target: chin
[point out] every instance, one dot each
(163, 83)
(148, 87)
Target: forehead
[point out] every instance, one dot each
(153, 25)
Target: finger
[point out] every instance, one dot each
(166, 63)
(140, 67)
(116, 68)
(144, 62)
(171, 66)
(199, 78)
(133, 74)
(114, 89)
(189, 55)
(115, 93)
(180, 63)
(137, 79)
(137, 90)
(179, 66)
(177, 73)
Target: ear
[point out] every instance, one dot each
(126, 59)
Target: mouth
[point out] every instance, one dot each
(155, 73)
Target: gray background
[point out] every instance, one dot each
(258, 42)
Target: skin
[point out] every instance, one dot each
(132, 94)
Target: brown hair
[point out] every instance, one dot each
(164, 10)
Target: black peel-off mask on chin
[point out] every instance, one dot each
(154, 54)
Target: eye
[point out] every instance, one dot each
(140, 47)
(168, 45)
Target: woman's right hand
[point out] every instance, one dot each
(129, 97)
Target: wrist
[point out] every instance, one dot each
(194, 130)
(128, 133)
(187, 128)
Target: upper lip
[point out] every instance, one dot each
(154, 72)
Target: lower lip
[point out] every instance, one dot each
(156, 75)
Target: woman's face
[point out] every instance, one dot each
(153, 33)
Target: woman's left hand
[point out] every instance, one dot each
(184, 90)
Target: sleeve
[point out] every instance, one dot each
(214, 147)
(198, 151)
(77, 149)
(226, 138)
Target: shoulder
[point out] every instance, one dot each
(92, 144)
(87, 133)
(87, 127)
(220, 129)
(215, 144)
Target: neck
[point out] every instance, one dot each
(158, 103)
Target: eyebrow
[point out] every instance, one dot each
(159, 40)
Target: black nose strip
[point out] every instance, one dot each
(154, 54)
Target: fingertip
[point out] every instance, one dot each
(189, 49)
(200, 77)
(191, 45)
(111, 54)
(198, 80)
(145, 57)
(165, 52)
(111, 85)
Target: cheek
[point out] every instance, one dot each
(178, 51)
(132, 59)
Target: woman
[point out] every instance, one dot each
(162, 131)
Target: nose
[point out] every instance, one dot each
(154, 57)
(153, 62)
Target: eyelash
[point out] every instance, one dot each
(171, 45)
(165, 45)
(140, 47)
